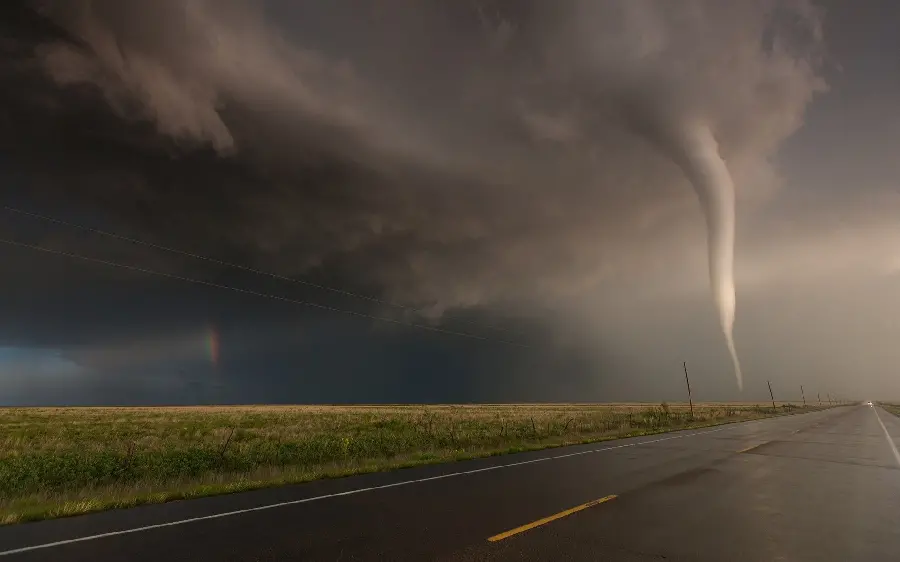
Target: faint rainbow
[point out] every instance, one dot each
(213, 344)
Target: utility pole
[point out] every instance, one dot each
(688, 381)
(803, 394)
(829, 400)
(819, 397)
(774, 408)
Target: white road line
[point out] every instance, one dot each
(361, 490)
(888, 437)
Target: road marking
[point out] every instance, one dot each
(369, 489)
(546, 520)
(750, 448)
(888, 437)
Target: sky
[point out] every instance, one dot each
(225, 201)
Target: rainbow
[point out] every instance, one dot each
(213, 344)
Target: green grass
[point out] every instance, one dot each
(892, 408)
(64, 461)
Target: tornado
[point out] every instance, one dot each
(689, 142)
(693, 147)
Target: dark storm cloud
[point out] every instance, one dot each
(438, 154)
(451, 154)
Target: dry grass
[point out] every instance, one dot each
(64, 461)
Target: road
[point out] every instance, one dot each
(820, 486)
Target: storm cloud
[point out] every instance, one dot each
(486, 157)
(453, 154)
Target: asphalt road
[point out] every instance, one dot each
(820, 486)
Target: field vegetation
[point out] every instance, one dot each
(891, 407)
(64, 461)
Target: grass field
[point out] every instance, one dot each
(64, 461)
(892, 408)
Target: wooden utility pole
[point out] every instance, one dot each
(690, 398)
(772, 396)
(803, 394)
(819, 397)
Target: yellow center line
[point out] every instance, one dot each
(750, 448)
(546, 520)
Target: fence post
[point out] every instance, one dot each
(774, 408)
(690, 398)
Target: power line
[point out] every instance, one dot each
(232, 265)
(253, 293)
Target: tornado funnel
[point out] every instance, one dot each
(694, 148)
